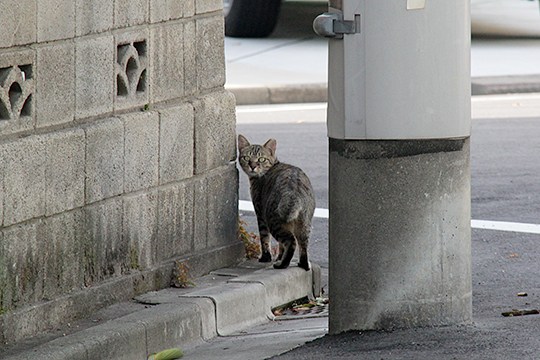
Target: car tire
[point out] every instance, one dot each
(250, 18)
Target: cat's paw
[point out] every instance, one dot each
(280, 265)
(306, 266)
(265, 257)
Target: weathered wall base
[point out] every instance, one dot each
(400, 247)
(17, 325)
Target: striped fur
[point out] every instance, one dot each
(283, 200)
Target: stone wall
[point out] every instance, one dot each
(116, 142)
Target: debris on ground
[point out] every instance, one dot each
(181, 277)
(250, 240)
(516, 312)
(302, 306)
(169, 354)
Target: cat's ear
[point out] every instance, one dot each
(242, 142)
(271, 145)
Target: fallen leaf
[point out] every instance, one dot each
(516, 312)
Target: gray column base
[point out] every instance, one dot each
(399, 233)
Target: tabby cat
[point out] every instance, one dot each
(283, 200)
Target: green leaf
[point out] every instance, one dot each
(169, 354)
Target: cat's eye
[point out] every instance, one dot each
(245, 158)
(261, 159)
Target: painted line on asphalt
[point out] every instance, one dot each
(506, 226)
(281, 114)
(505, 106)
(251, 109)
(244, 205)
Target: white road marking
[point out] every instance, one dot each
(506, 226)
(512, 106)
(504, 106)
(321, 213)
(244, 205)
(281, 113)
(279, 107)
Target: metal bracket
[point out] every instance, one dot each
(332, 25)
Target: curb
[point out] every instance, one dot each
(505, 84)
(278, 94)
(305, 93)
(225, 302)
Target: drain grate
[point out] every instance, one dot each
(302, 308)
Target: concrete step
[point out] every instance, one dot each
(224, 302)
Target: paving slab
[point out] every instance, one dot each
(261, 342)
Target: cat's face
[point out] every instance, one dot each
(256, 160)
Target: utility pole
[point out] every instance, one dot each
(399, 129)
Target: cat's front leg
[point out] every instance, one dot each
(266, 255)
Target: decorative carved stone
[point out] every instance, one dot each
(16, 88)
(131, 69)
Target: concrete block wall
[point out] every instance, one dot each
(117, 142)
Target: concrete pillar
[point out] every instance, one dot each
(399, 234)
(399, 127)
